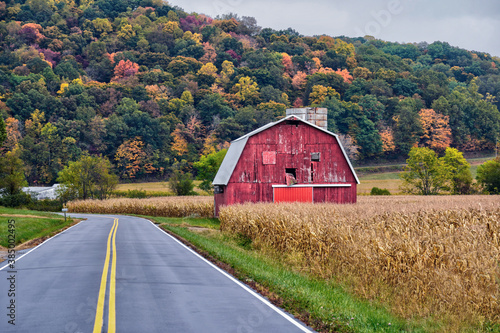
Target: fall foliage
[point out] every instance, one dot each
(436, 130)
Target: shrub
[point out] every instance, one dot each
(46, 205)
(15, 200)
(379, 191)
(488, 175)
(181, 183)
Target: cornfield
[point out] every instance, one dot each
(422, 256)
(166, 206)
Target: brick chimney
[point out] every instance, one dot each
(316, 116)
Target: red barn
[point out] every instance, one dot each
(288, 160)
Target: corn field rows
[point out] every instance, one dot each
(166, 206)
(424, 256)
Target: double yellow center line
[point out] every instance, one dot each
(112, 286)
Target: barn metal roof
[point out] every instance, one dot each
(236, 148)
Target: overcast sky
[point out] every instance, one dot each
(473, 25)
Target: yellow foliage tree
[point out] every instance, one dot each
(319, 93)
(247, 90)
(208, 69)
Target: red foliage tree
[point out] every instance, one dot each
(124, 69)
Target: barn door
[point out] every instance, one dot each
(293, 194)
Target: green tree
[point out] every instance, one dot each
(424, 173)
(181, 183)
(3, 131)
(488, 175)
(459, 171)
(207, 168)
(87, 178)
(12, 178)
(407, 127)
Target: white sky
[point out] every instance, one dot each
(472, 25)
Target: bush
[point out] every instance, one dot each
(488, 175)
(46, 205)
(379, 191)
(181, 183)
(15, 200)
(139, 194)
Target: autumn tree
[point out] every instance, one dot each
(319, 93)
(387, 139)
(247, 90)
(124, 69)
(133, 158)
(436, 131)
(299, 80)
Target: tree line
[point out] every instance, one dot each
(155, 90)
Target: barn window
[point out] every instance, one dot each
(268, 157)
(291, 171)
(315, 157)
(218, 189)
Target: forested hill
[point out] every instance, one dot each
(148, 86)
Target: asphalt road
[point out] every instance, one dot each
(123, 274)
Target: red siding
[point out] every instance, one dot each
(293, 194)
(335, 194)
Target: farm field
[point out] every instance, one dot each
(383, 180)
(421, 258)
(155, 187)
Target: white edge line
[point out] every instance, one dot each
(36, 247)
(241, 284)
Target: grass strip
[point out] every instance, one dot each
(41, 225)
(324, 305)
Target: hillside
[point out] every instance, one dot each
(150, 86)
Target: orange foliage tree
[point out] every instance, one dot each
(387, 139)
(132, 158)
(345, 75)
(299, 80)
(125, 68)
(286, 60)
(436, 130)
(13, 133)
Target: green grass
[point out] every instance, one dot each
(41, 224)
(325, 304)
(381, 176)
(156, 188)
(186, 221)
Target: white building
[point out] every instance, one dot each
(40, 193)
